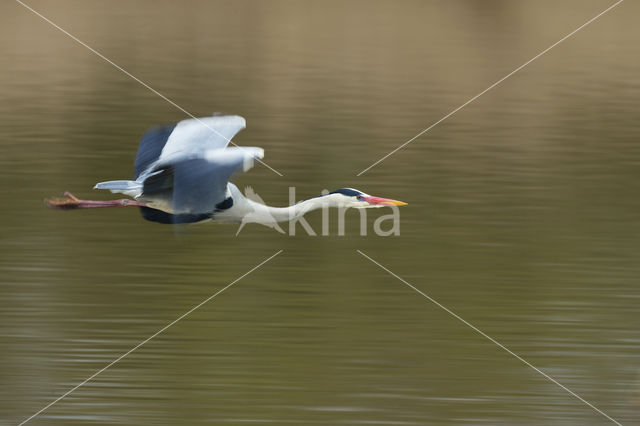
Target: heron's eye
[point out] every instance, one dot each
(360, 198)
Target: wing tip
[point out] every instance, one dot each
(250, 159)
(231, 118)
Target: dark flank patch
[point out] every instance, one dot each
(159, 216)
(347, 191)
(150, 147)
(226, 204)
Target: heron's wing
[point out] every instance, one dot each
(200, 181)
(197, 135)
(150, 148)
(188, 136)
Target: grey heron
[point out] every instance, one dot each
(182, 172)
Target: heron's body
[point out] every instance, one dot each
(182, 172)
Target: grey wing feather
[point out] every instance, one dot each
(150, 148)
(197, 135)
(200, 182)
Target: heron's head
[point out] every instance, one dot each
(349, 197)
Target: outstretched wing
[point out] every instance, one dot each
(191, 136)
(150, 148)
(202, 134)
(199, 181)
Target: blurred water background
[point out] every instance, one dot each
(522, 217)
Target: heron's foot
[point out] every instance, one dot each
(69, 201)
(70, 195)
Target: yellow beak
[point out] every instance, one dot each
(384, 201)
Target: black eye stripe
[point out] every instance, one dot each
(347, 191)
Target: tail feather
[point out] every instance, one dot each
(127, 187)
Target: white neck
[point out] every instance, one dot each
(267, 214)
(246, 210)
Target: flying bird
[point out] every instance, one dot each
(181, 175)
